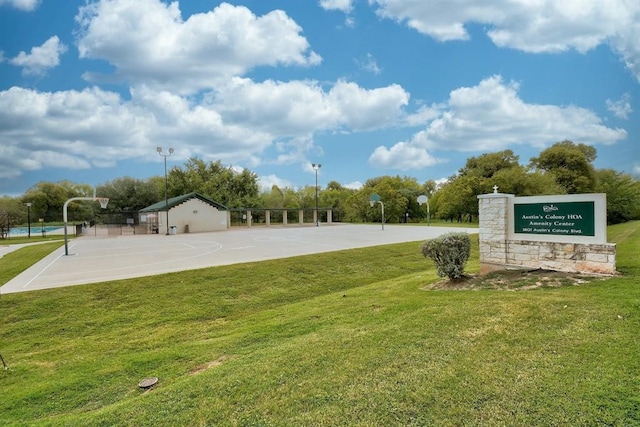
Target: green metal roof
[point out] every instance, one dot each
(174, 201)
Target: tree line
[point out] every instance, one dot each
(563, 168)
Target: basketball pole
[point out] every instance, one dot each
(103, 204)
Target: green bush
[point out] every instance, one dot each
(450, 252)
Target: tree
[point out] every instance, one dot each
(242, 188)
(49, 198)
(357, 208)
(457, 199)
(488, 164)
(226, 185)
(623, 195)
(128, 195)
(429, 188)
(335, 196)
(395, 192)
(520, 182)
(273, 199)
(11, 213)
(570, 164)
(306, 197)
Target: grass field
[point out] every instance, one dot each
(34, 239)
(347, 338)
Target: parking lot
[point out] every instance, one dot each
(95, 259)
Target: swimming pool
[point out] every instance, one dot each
(35, 230)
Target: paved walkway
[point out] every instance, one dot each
(101, 259)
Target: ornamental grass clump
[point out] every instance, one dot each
(450, 252)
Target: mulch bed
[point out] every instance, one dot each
(515, 280)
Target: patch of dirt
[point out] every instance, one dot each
(515, 280)
(214, 363)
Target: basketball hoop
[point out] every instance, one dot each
(103, 201)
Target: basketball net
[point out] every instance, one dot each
(103, 201)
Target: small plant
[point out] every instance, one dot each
(450, 252)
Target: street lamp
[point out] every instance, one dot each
(29, 218)
(315, 168)
(166, 196)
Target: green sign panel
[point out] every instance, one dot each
(560, 219)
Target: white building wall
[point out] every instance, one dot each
(196, 216)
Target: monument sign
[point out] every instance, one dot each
(559, 232)
(575, 218)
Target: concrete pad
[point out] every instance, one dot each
(100, 259)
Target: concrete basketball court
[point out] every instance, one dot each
(100, 259)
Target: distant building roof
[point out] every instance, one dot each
(175, 201)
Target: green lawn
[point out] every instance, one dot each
(16, 262)
(33, 239)
(339, 339)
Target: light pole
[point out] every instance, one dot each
(315, 168)
(166, 196)
(29, 218)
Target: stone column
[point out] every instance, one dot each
(267, 217)
(284, 217)
(329, 216)
(494, 220)
(248, 218)
(300, 216)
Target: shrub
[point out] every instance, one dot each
(450, 252)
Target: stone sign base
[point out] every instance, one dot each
(567, 257)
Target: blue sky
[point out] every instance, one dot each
(89, 89)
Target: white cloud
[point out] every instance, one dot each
(94, 128)
(148, 41)
(236, 125)
(291, 108)
(266, 182)
(530, 26)
(41, 58)
(355, 185)
(369, 64)
(26, 5)
(424, 115)
(620, 108)
(296, 150)
(403, 156)
(66, 129)
(301, 107)
(345, 6)
(198, 128)
(492, 117)
(367, 109)
(625, 42)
